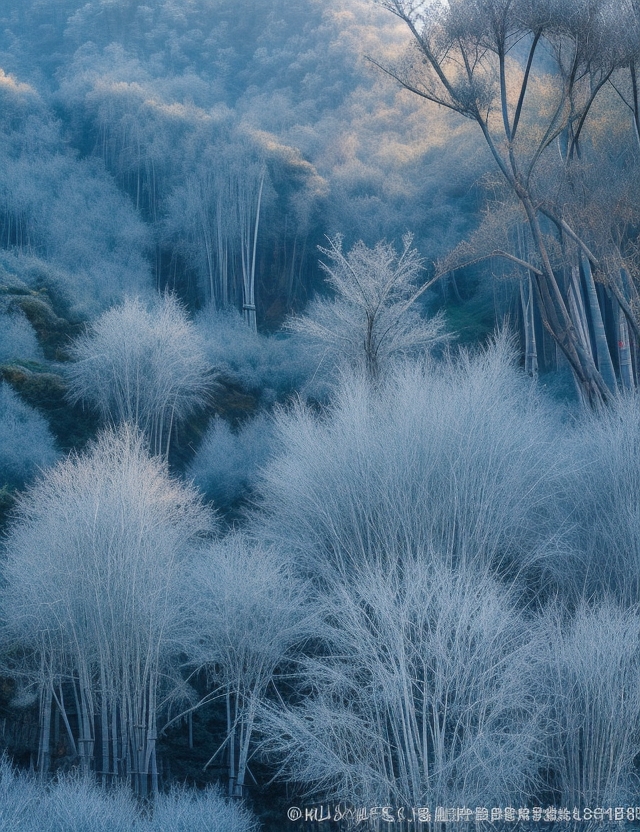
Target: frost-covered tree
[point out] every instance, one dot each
(90, 591)
(419, 695)
(142, 365)
(530, 76)
(245, 611)
(214, 213)
(589, 674)
(371, 320)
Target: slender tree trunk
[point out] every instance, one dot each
(603, 356)
(206, 236)
(530, 347)
(624, 352)
(104, 726)
(249, 300)
(44, 754)
(577, 309)
(63, 713)
(85, 734)
(115, 745)
(247, 731)
(231, 731)
(635, 108)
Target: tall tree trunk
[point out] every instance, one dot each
(63, 713)
(104, 727)
(577, 309)
(115, 744)
(44, 754)
(231, 733)
(530, 346)
(624, 352)
(249, 299)
(603, 356)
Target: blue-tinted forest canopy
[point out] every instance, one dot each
(319, 410)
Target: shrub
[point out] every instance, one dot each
(18, 339)
(590, 678)
(75, 804)
(183, 810)
(602, 486)
(459, 461)
(275, 366)
(90, 591)
(225, 466)
(418, 695)
(144, 366)
(26, 444)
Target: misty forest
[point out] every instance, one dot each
(319, 414)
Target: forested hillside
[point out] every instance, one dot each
(319, 421)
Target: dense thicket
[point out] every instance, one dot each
(415, 581)
(430, 594)
(75, 805)
(231, 132)
(458, 460)
(90, 584)
(443, 520)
